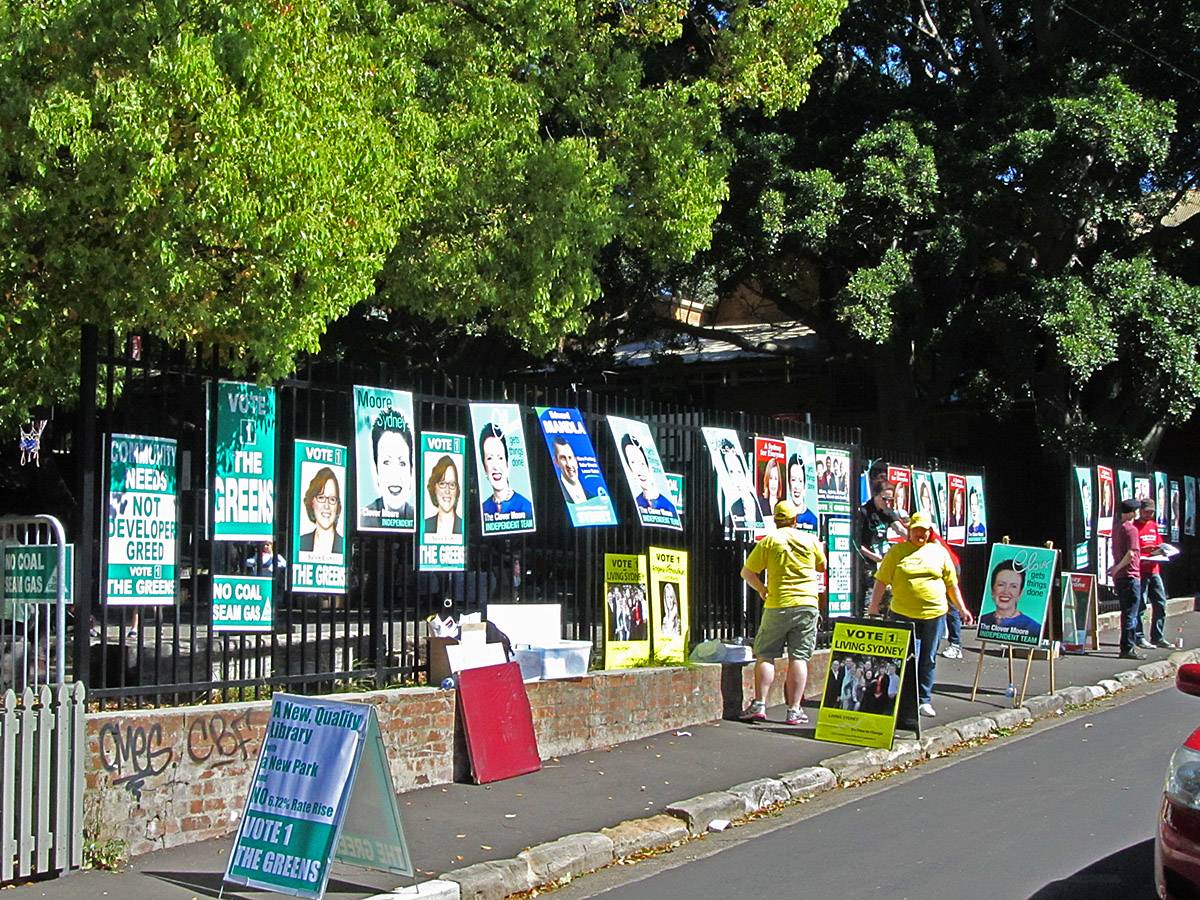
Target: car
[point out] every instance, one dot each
(1177, 840)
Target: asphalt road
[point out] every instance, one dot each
(1066, 810)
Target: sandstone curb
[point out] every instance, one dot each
(575, 854)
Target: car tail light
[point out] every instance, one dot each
(1183, 777)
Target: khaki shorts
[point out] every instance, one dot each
(795, 626)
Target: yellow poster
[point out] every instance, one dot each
(862, 685)
(626, 611)
(669, 603)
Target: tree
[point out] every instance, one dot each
(984, 193)
(244, 172)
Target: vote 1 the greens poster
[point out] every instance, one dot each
(140, 539)
(669, 604)
(319, 518)
(442, 533)
(244, 463)
(863, 683)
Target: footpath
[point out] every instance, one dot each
(578, 813)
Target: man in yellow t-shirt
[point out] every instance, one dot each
(792, 559)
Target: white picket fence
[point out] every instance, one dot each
(41, 781)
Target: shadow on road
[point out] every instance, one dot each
(1125, 875)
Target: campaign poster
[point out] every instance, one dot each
(1161, 500)
(1124, 484)
(922, 492)
(1017, 594)
(833, 481)
(678, 491)
(1082, 555)
(1176, 512)
(1106, 490)
(862, 684)
(244, 463)
(319, 517)
(644, 473)
(801, 481)
(669, 604)
(956, 527)
(770, 463)
(141, 534)
(901, 477)
(584, 489)
(1079, 612)
(242, 603)
(1083, 492)
(1104, 559)
(1189, 505)
(502, 467)
(941, 499)
(976, 511)
(626, 611)
(441, 532)
(739, 506)
(383, 459)
(839, 574)
(1143, 489)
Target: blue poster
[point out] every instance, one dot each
(582, 483)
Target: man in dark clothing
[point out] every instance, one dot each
(876, 518)
(1126, 551)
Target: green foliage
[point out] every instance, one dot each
(107, 855)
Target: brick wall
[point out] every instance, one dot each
(161, 778)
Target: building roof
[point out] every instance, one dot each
(694, 348)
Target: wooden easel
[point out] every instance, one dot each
(1050, 648)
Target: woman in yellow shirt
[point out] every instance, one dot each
(923, 581)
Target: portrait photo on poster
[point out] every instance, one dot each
(1015, 597)
(583, 486)
(644, 473)
(385, 464)
(739, 508)
(322, 528)
(801, 481)
(502, 465)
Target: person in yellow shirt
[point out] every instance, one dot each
(792, 559)
(921, 575)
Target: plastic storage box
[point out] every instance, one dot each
(562, 659)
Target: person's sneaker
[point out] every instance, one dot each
(1145, 644)
(1164, 645)
(1131, 654)
(797, 717)
(926, 709)
(755, 712)
(954, 651)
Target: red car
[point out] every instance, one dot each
(1177, 843)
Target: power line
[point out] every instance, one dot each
(1124, 40)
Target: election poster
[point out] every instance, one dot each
(956, 525)
(321, 790)
(801, 481)
(244, 463)
(901, 478)
(644, 473)
(502, 467)
(1143, 488)
(441, 544)
(941, 501)
(923, 502)
(739, 507)
(1017, 594)
(669, 604)
(1189, 505)
(383, 459)
(319, 518)
(770, 462)
(1161, 498)
(976, 511)
(1106, 500)
(584, 490)
(31, 577)
(1080, 608)
(861, 699)
(626, 611)
(242, 603)
(142, 530)
(678, 491)
(1176, 511)
(839, 574)
(1124, 484)
(833, 481)
(1083, 487)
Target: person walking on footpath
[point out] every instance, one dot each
(792, 559)
(1153, 593)
(924, 583)
(1125, 572)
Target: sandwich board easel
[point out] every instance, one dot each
(1037, 567)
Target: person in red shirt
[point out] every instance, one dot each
(1125, 573)
(1153, 594)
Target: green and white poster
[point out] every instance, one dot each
(1017, 594)
(502, 466)
(244, 463)
(31, 577)
(242, 603)
(142, 529)
(977, 532)
(319, 518)
(383, 459)
(320, 788)
(839, 573)
(800, 481)
(442, 535)
(833, 481)
(863, 683)
(669, 604)
(626, 611)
